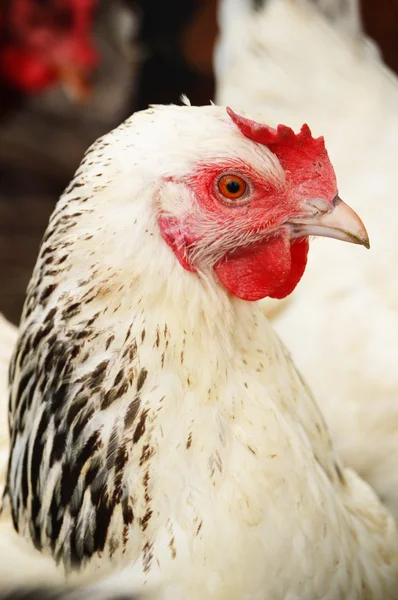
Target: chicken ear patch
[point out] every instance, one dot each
(303, 157)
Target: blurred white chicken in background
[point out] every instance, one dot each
(297, 61)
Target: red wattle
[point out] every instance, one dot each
(272, 268)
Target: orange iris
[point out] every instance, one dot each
(232, 186)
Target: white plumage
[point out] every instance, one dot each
(297, 63)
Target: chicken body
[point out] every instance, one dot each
(341, 324)
(158, 424)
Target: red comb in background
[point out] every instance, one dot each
(45, 42)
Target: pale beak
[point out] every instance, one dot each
(340, 222)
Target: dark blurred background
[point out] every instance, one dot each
(87, 66)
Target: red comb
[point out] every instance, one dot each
(303, 157)
(263, 134)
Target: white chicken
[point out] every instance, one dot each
(158, 425)
(301, 60)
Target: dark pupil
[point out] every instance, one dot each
(233, 187)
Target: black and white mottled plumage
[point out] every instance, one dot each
(157, 423)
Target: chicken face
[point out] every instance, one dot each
(46, 42)
(250, 219)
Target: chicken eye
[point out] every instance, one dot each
(232, 186)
